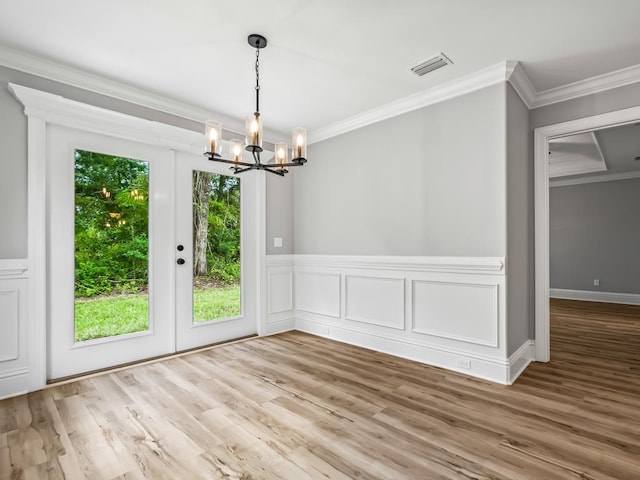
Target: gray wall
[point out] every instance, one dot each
(13, 161)
(280, 212)
(595, 233)
(520, 248)
(429, 182)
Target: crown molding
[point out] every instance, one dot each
(41, 67)
(605, 177)
(511, 71)
(599, 83)
(521, 84)
(439, 93)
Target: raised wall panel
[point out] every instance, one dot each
(9, 325)
(459, 311)
(318, 293)
(373, 300)
(15, 371)
(280, 292)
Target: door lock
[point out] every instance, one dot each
(180, 248)
(181, 261)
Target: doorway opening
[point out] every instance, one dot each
(544, 139)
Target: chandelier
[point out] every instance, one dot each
(253, 136)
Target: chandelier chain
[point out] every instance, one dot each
(257, 80)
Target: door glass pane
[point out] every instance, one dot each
(216, 247)
(111, 245)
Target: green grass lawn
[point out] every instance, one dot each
(117, 315)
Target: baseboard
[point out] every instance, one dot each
(589, 296)
(488, 368)
(520, 359)
(279, 326)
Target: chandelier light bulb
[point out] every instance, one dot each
(236, 150)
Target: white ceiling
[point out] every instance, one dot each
(327, 60)
(617, 147)
(575, 154)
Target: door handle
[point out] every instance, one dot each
(181, 261)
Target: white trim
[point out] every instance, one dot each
(495, 334)
(58, 110)
(605, 177)
(520, 359)
(490, 368)
(590, 296)
(37, 253)
(280, 260)
(439, 93)
(542, 136)
(260, 252)
(522, 85)
(589, 86)
(13, 267)
(370, 321)
(484, 265)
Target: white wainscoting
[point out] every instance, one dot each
(375, 300)
(318, 293)
(280, 313)
(463, 311)
(14, 358)
(444, 311)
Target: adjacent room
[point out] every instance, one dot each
(300, 240)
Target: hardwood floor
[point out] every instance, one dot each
(294, 406)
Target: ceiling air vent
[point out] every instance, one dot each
(434, 63)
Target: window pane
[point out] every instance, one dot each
(216, 247)
(111, 245)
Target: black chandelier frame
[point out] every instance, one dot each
(258, 42)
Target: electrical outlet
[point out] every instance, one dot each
(596, 282)
(277, 242)
(464, 363)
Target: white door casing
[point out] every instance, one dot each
(44, 110)
(542, 136)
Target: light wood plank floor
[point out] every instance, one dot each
(294, 406)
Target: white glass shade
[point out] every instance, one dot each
(299, 143)
(213, 136)
(254, 130)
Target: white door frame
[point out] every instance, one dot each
(44, 109)
(542, 136)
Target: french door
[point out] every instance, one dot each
(126, 279)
